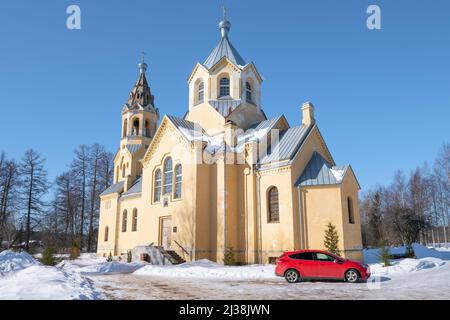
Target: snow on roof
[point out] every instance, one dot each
(319, 172)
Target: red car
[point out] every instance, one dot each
(316, 264)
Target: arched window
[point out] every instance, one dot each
(124, 221)
(248, 92)
(178, 181)
(106, 233)
(134, 222)
(351, 217)
(123, 170)
(224, 87)
(147, 131)
(157, 189)
(168, 176)
(125, 128)
(135, 127)
(273, 205)
(201, 92)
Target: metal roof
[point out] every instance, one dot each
(115, 188)
(135, 188)
(182, 123)
(289, 142)
(224, 107)
(224, 49)
(266, 124)
(133, 147)
(320, 172)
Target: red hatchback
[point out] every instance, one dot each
(316, 264)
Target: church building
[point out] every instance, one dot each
(224, 179)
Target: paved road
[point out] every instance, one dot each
(431, 284)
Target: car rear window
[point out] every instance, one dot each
(302, 256)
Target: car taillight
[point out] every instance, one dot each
(281, 259)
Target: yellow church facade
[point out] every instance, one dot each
(224, 178)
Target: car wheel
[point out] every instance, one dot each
(352, 276)
(291, 276)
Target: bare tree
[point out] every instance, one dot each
(441, 183)
(107, 170)
(66, 197)
(95, 167)
(34, 187)
(9, 184)
(419, 199)
(79, 168)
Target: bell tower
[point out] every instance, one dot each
(139, 123)
(139, 114)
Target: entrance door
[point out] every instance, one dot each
(166, 232)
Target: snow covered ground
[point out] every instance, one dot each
(209, 270)
(427, 277)
(91, 277)
(91, 264)
(23, 277)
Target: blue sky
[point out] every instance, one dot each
(382, 97)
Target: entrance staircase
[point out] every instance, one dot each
(173, 257)
(156, 255)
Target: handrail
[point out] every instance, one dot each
(184, 250)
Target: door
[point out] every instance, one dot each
(327, 267)
(304, 262)
(166, 232)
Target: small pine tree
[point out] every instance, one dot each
(109, 258)
(47, 256)
(129, 256)
(384, 255)
(75, 250)
(228, 259)
(331, 241)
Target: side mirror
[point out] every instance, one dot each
(338, 261)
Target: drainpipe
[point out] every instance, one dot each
(300, 217)
(258, 219)
(224, 198)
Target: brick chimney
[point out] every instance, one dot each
(308, 114)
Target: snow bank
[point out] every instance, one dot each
(405, 266)
(23, 277)
(39, 282)
(14, 261)
(371, 255)
(85, 259)
(111, 267)
(208, 269)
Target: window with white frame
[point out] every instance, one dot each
(168, 176)
(157, 187)
(178, 181)
(201, 92)
(248, 92)
(224, 87)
